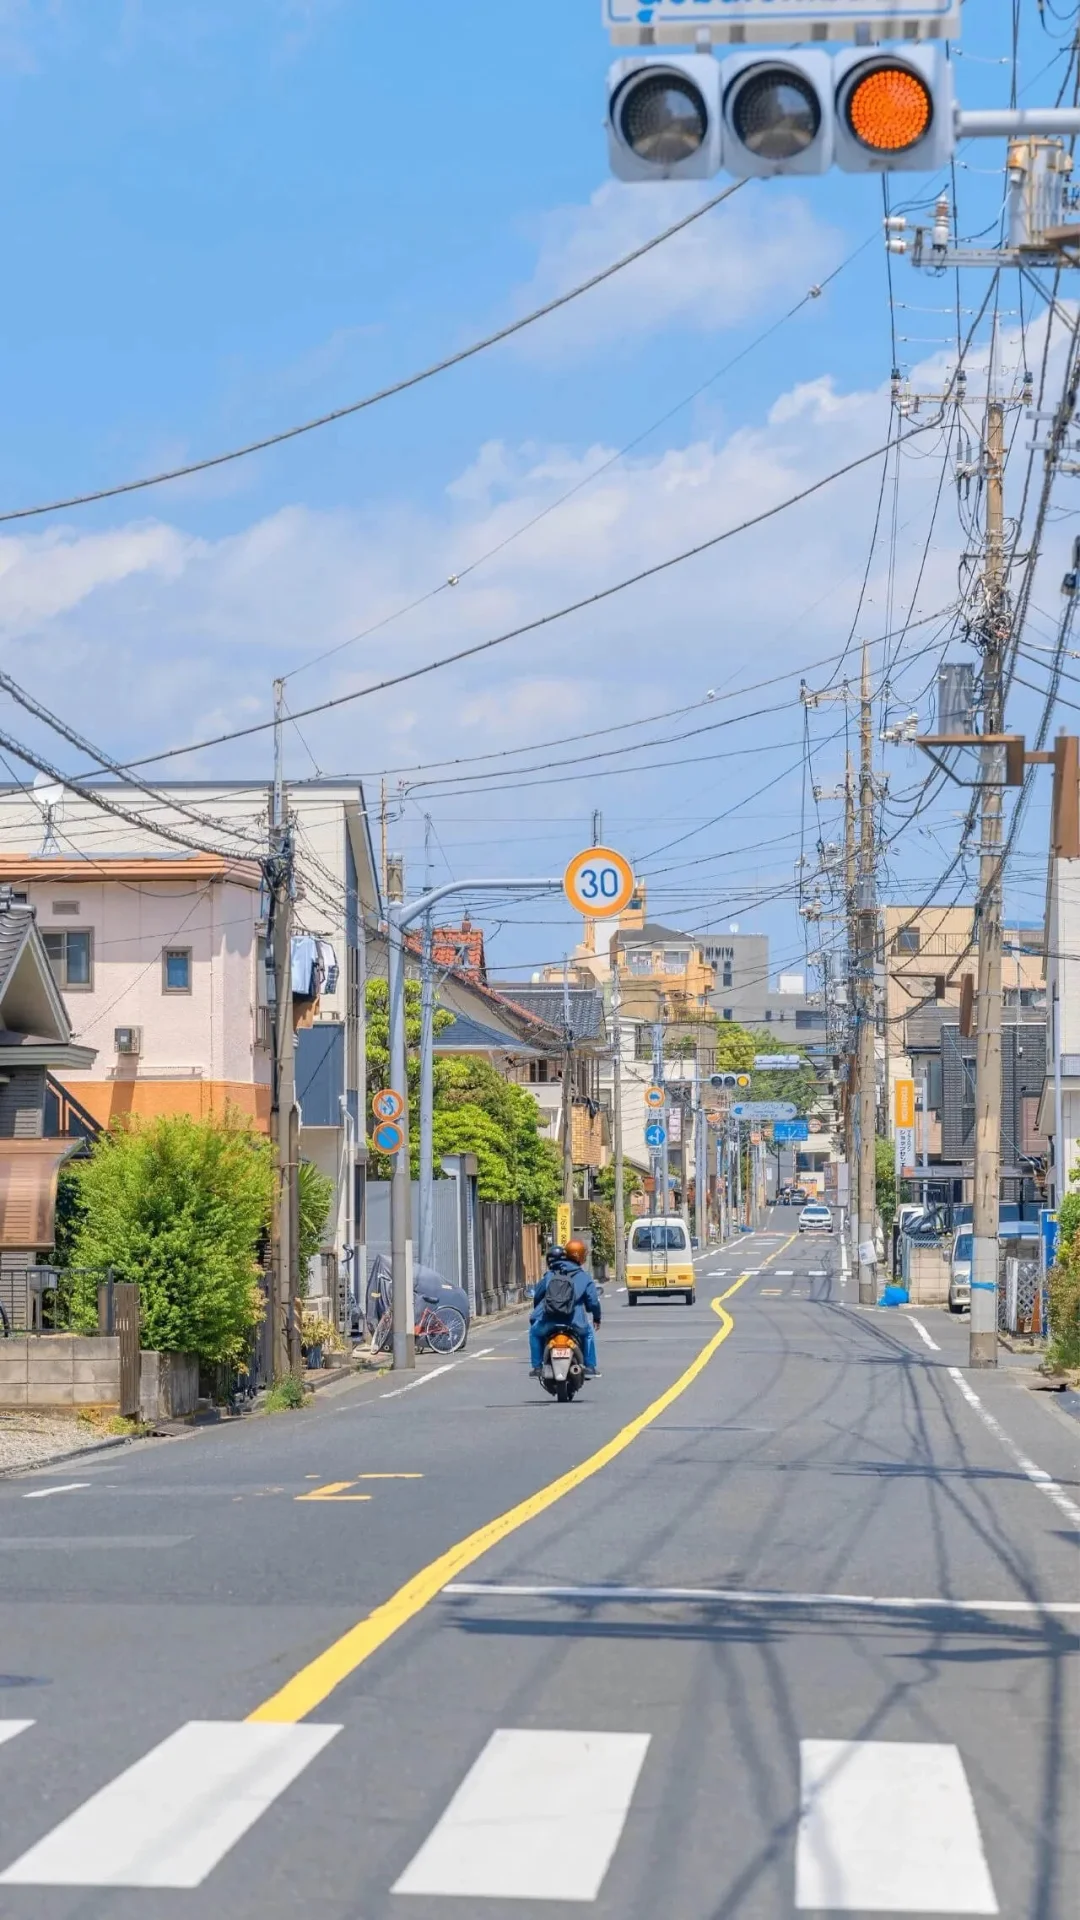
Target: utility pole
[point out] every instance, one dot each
(867, 913)
(284, 1335)
(568, 1097)
(701, 1169)
(987, 1189)
(427, 1095)
(658, 1081)
(382, 840)
(851, 1092)
(616, 1121)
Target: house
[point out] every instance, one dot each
(161, 947)
(36, 1045)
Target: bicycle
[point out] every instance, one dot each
(437, 1330)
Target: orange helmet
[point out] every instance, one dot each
(577, 1251)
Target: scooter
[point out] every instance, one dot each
(562, 1373)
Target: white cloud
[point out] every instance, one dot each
(716, 273)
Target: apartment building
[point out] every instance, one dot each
(153, 917)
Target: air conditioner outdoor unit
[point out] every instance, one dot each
(128, 1039)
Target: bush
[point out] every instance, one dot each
(286, 1395)
(1064, 1284)
(602, 1222)
(178, 1206)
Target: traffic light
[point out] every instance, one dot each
(664, 118)
(729, 1080)
(691, 116)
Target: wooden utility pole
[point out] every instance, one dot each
(382, 840)
(866, 901)
(284, 1334)
(987, 1189)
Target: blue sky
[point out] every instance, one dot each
(222, 219)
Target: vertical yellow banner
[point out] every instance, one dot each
(904, 1103)
(562, 1223)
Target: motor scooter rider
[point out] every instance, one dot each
(569, 1260)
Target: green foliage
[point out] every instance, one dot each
(316, 1198)
(286, 1395)
(602, 1222)
(377, 1053)
(885, 1176)
(604, 1184)
(735, 1047)
(1069, 1216)
(797, 1084)
(473, 1103)
(178, 1206)
(1064, 1282)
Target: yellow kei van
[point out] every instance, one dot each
(658, 1259)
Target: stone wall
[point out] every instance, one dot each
(60, 1370)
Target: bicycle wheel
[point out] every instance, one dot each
(5, 1325)
(451, 1330)
(383, 1337)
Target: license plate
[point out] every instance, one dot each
(657, 1283)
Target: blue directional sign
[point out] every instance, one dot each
(790, 1130)
(655, 1134)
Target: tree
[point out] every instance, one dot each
(602, 1222)
(1065, 1282)
(316, 1197)
(735, 1047)
(604, 1184)
(178, 1206)
(377, 1053)
(885, 1172)
(533, 1164)
(471, 1130)
(798, 1084)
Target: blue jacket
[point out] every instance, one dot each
(586, 1297)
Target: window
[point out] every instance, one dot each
(907, 940)
(640, 961)
(650, 1238)
(727, 981)
(176, 970)
(809, 1017)
(768, 1015)
(728, 1012)
(62, 907)
(71, 957)
(675, 962)
(538, 1072)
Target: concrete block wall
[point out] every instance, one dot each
(168, 1385)
(60, 1370)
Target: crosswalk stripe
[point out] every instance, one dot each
(169, 1819)
(515, 1830)
(9, 1728)
(888, 1827)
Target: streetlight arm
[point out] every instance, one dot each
(1015, 123)
(406, 911)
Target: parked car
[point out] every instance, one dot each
(960, 1272)
(799, 1197)
(815, 1218)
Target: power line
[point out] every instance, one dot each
(383, 393)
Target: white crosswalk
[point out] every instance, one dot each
(883, 1826)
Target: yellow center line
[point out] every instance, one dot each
(334, 1490)
(315, 1682)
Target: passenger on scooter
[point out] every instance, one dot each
(568, 1261)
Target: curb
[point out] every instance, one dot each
(77, 1453)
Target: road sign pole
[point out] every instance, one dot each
(401, 1253)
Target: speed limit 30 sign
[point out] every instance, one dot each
(599, 882)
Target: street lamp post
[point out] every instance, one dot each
(400, 915)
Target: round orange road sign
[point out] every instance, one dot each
(386, 1104)
(599, 882)
(654, 1096)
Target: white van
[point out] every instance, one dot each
(659, 1258)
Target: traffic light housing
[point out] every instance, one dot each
(664, 118)
(729, 1081)
(865, 110)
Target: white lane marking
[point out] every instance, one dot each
(888, 1827)
(817, 1273)
(423, 1378)
(758, 1597)
(784, 1273)
(923, 1335)
(515, 1830)
(43, 1493)
(1036, 1474)
(9, 1729)
(169, 1819)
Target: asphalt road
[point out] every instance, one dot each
(801, 1640)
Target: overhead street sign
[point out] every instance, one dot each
(764, 1109)
(655, 1134)
(778, 1062)
(790, 1130)
(599, 882)
(640, 23)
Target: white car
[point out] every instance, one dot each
(815, 1218)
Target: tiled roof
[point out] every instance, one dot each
(545, 1002)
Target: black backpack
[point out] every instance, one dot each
(560, 1297)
